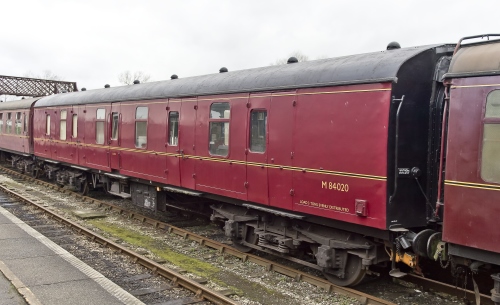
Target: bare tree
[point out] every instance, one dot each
(127, 78)
(46, 74)
(297, 54)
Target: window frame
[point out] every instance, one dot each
(141, 120)
(18, 121)
(47, 124)
(63, 122)
(99, 122)
(1, 123)
(494, 120)
(25, 123)
(74, 127)
(169, 143)
(9, 123)
(217, 121)
(115, 128)
(250, 132)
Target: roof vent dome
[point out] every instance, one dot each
(393, 45)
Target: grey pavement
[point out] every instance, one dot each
(8, 293)
(44, 273)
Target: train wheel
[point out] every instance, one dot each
(354, 273)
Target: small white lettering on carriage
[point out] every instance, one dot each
(323, 206)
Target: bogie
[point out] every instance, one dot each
(343, 257)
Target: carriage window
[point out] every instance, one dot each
(1, 122)
(258, 123)
(218, 140)
(47, 125)
(19, 125)
(173, 128)
(62, 125)
(114, 126)
(9, 123)
(141, 127)
(74, 132)
(490, 161)
(25, 123)
(99, 126)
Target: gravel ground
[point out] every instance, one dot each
(249, 283)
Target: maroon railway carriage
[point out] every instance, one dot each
(15, 132)
(337, 164)
(472, 180)
(323, 160)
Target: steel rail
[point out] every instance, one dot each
(448, 289)
(362, 297)
(201, 291)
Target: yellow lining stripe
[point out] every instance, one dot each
(239, 162)
(491, 187)
(470, 183)
(12, 135)
(475, 86)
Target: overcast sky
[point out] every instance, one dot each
(91, 41)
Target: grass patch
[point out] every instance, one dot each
(190, 264)
(240, 286)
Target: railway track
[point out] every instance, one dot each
(176, 279)
(222, 248)
(465, 294)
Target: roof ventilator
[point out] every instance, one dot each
(393, 45)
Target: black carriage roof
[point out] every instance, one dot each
(18, 104)
(373, 67)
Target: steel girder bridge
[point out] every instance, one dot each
(23, 86)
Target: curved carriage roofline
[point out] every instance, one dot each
(18, 104)
(354, 69)
(476, 59)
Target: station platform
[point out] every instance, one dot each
(44, 273)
